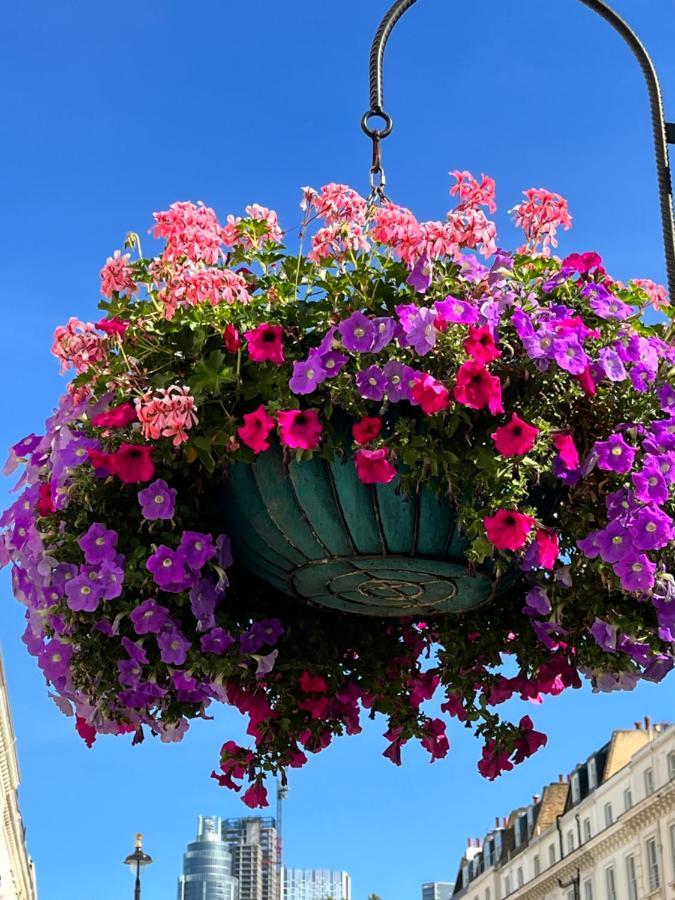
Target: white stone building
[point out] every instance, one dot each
(316, 884)
(607, 832)
(17, 877)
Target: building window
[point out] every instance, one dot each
(672, 845)
(649, 782)
(631, 878)
(588, 890)
(587, 830)
(507, 885)
(488, 895)
(609, 815)
(537, 864)
(627, 799)
(571, 894)
(653, 864)
(520, 876)
(671, 765)
(592, 773)
(610, 883)
(570, 841)
(576, 790)
(551, 854)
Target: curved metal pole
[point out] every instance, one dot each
(663, 132)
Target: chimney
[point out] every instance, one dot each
(505, 821)
(561, 779)
(468, 842)
(497, 821)
(535, 799)
(638, 726)
(648, 723)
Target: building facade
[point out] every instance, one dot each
(316, 884)
(207, 865)
(437, 890)
(254, 845)
(17, 876)
(606, 832)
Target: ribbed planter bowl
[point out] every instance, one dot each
(315, 532)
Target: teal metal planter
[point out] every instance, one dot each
(314, 531)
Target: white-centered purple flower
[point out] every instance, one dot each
(452, 309)
(604, 304)
(357, 332)
(400, 380)
(169, 569)
(605, 635)
(333, 362)
(666, 395)
(216, 641)
(569, 354)
(149, 617)
(197, 549)
(54, 659)
(173, 646)
(98, 543)
(371, 383)
(420, 330)
(83, 595)
(385, 329)
(614, 454)
(307, 375)
(612, 365)
(158, 500)
(636, 573)
(421, 274)
(650, 528)
(615, 542)
(650, 485)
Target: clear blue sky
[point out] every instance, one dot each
(110, 112)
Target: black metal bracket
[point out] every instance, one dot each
(663, 132)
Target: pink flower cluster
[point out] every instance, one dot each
(540, 215)
(77, 344)
(116, 276)
(234, 235)
(191, 231)
(189, 286)
(168, 412)
(345, 213)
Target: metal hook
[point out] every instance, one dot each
(664, 133)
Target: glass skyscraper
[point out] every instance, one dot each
(316, 884)
(207, 865)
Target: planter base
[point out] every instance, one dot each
(315, 532)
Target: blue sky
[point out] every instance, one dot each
(110, 114)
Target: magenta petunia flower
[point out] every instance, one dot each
(158, 500)
(650, 528)
(650, 484)
(636, 573)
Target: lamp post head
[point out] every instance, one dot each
(138, 859)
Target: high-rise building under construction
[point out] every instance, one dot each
(253, 843)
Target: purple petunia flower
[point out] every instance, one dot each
(259, 634)
(604, 304)
(98, 543)
(620, 504)
(651, 528)
(372, 383)
(612, 365)
(604, 635)
(108, 576)
(590, 545)
(666, 395)
(204, 597)
(135, 651)
(83, 594)
(266, 664)
(54, 659)
(400, 379)
(452, 309)
(197, 549)
(169, 569)
(658, 667)
(664, 462)
(540, 344)
(569, 353)
(421, 275)
(636, 573)
(537, 603)
(637, 650)
(216, 641)
(357, 332)
(129, 672)
(173, 646)
(149, 617)
(158, 500)
(142, 695)
(385, 328)
(615, 543)
(307, 375)
(650, 485)
(333, 362)
(420, 330)
(188, 689)
(614, 454)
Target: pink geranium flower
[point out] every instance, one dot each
(373, 467)
(300, 428)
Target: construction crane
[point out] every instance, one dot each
(282, 793)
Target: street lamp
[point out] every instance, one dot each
(136, 861)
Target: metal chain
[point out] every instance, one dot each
(664, 133)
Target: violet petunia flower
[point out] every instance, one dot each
(83, 594)
(98, 543)
(657, 668)
(569, 353)
(333, 362)
(666, 395)
(614, 454)
(307, 375)
(420, 330)
(537, 603)
(371, 383)
(149, 617)
(604, 635)
(204, 597)
(612, 364)
(197, 549)
(169, 569)
(173, 646)
(651, 528)
(636, 573)
(216, 641)
(650, 485)
(357, 332)
(158, 500)
(54, 659)
(385, 328)
(615, 543)
(421, 275)
(452, 309)
(135, 651)
(400, 379)
(129, 672)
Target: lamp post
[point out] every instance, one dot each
(136, 861)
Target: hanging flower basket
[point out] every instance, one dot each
(476, 457)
